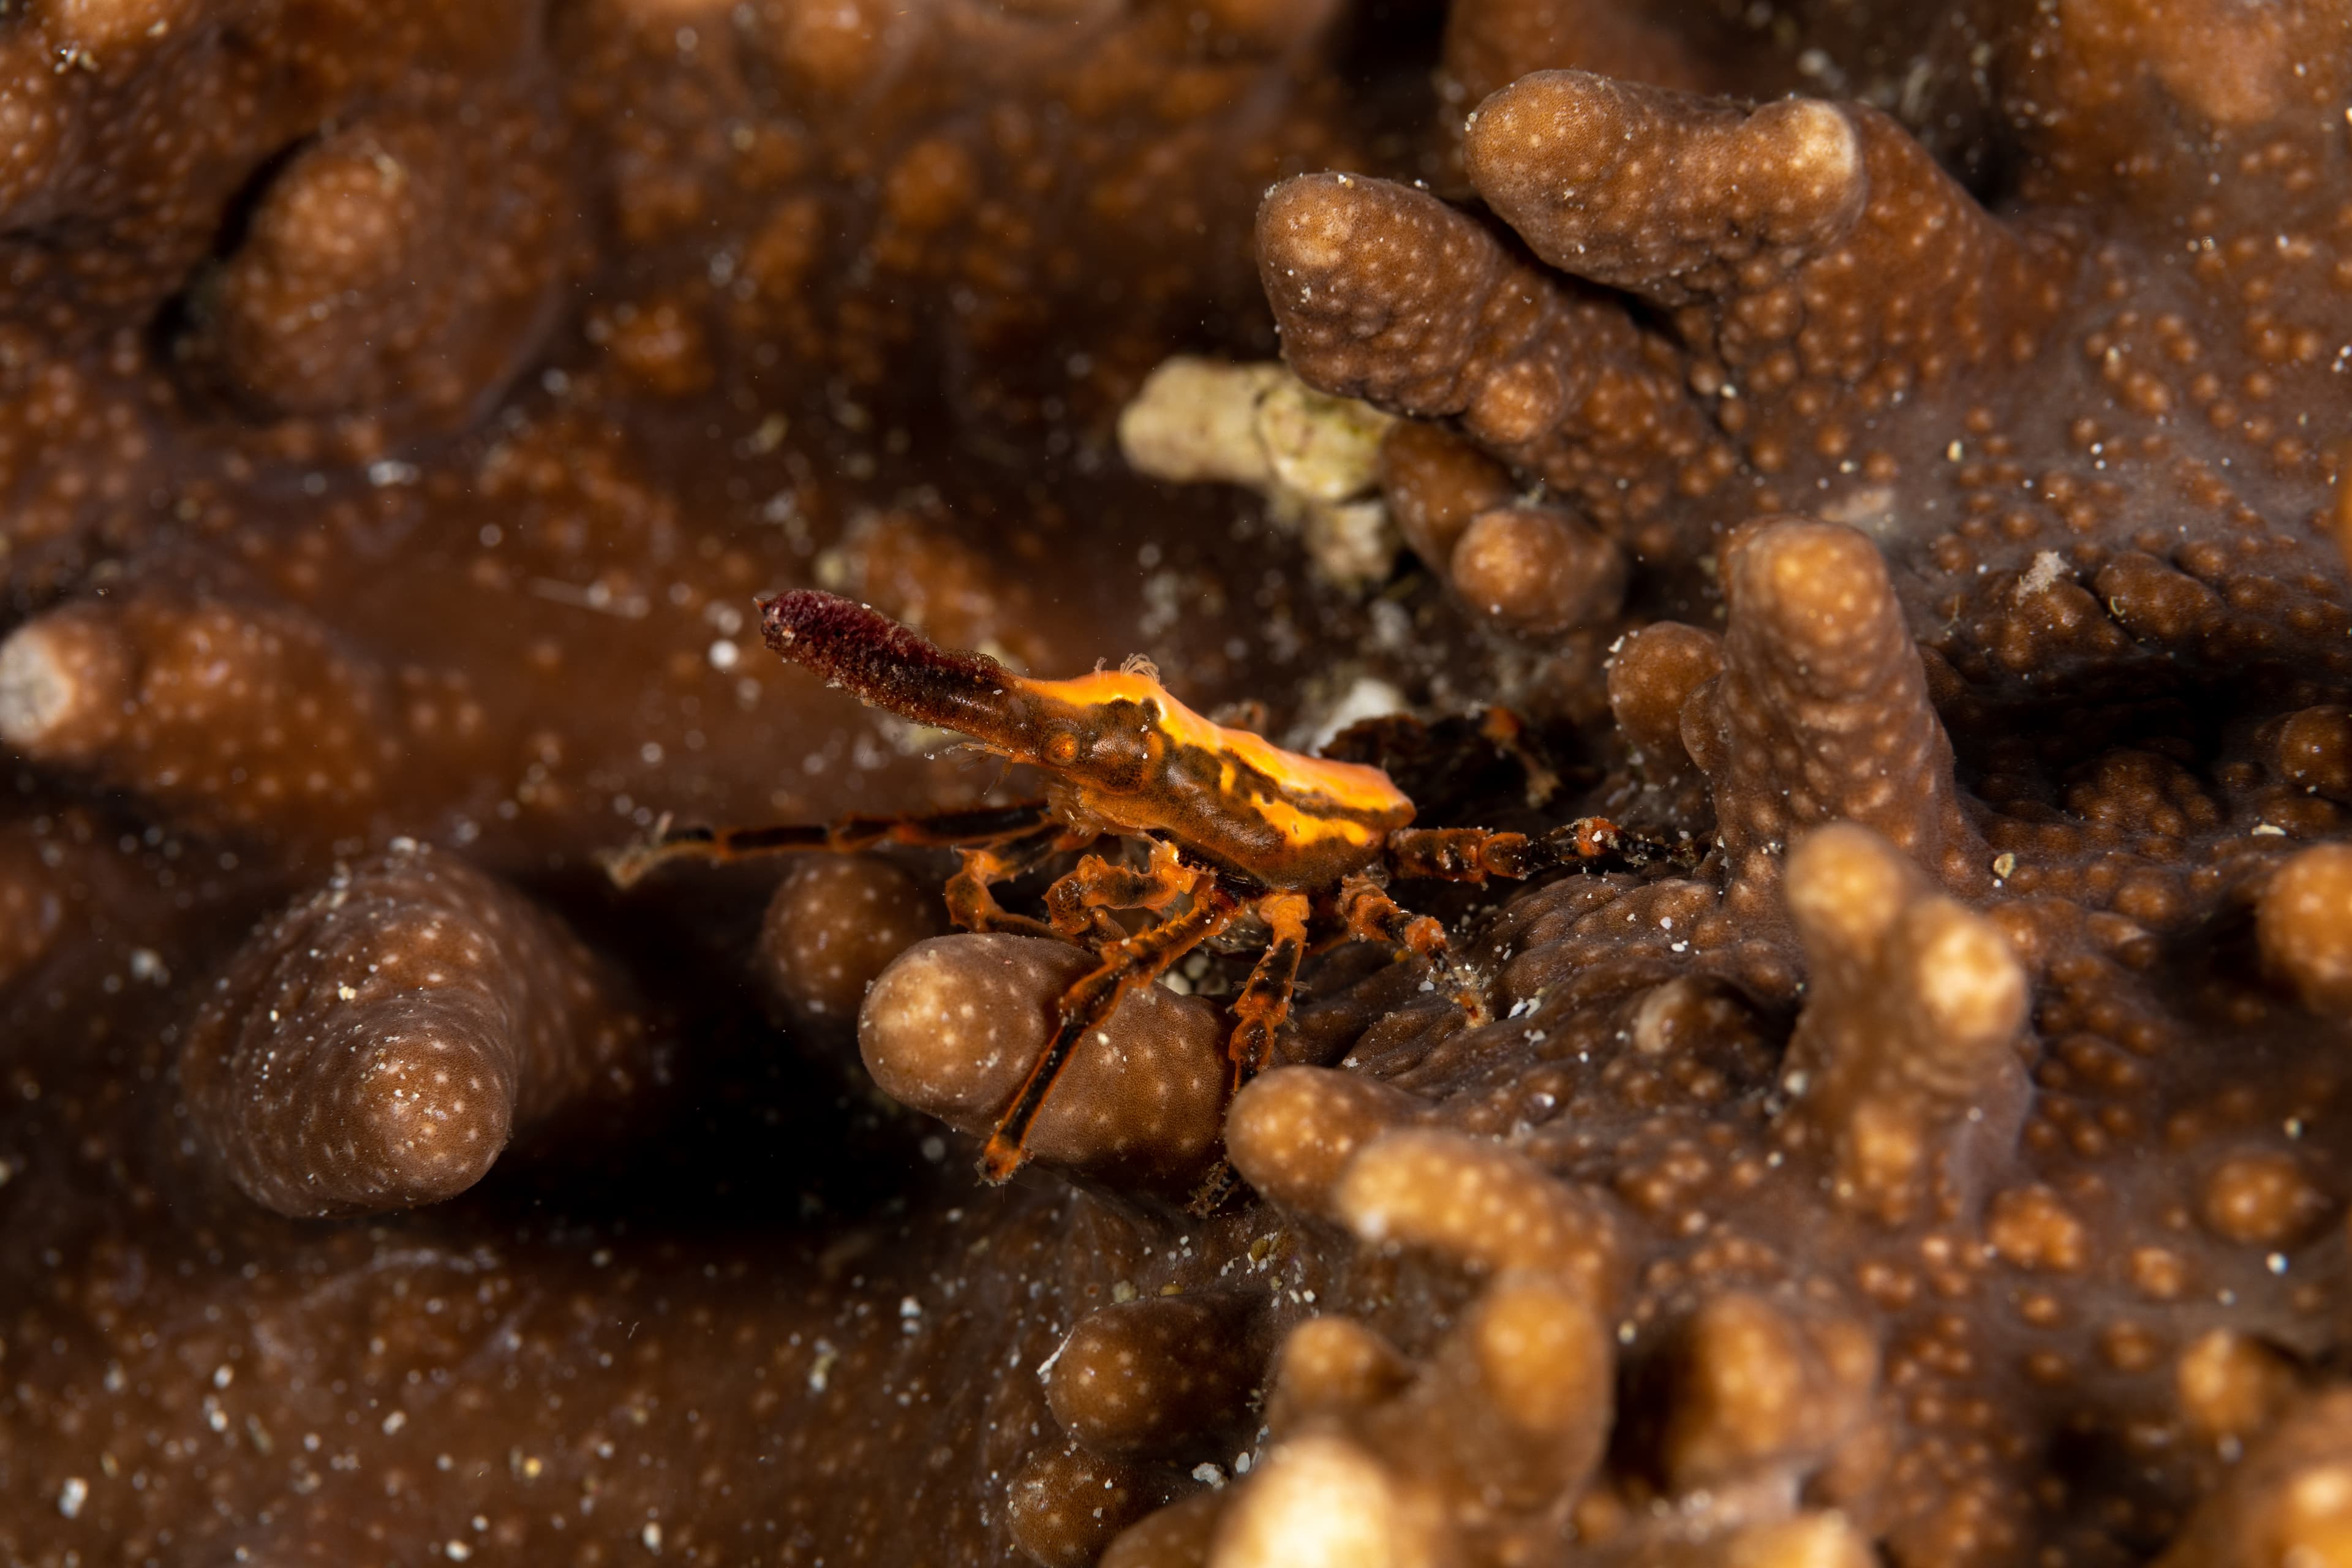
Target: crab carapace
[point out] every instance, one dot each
(1236, 827)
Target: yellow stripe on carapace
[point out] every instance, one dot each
(1302, 827)
(1311, 782)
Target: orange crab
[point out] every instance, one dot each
(1236, 826)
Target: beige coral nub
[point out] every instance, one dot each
(1333, 1366)
(1754, 1388)
(1543, 1358)
(2288, 1503)
(1482, 1206)
(1904, 1063)
(374, 1045)
(2233, 1386)
(1196, 420)
(1806, 1540)
(1291, 1131)
(64, 681)
(2304, 924)
(1521, 1397)
(1822, 711)
(1321, 1502)
(1637, 187)
(953, 1026)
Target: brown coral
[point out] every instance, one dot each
(953, 1026)
(375, 1046)
(1822, 711)
(1904, 1066)
(1386, 293)
(229, 717)
(318, 311)
(833, 925)
(413, 399)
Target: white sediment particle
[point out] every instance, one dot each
(2049, 568)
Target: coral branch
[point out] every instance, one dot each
(1821, 710)
(1068, 1503)
(1386, 293)
(1434, 482)
(834, 924)
(227, 717)
(954, 1024)
(1166, 1378)
(339, 300)
(1323, 1503)
(2289, 1500)
(2304, 921)
(1291, 1133)
(1653, 676)
(375, 1046)
(1538, 570)
(1333, 1367)
(1803, 227)
(1660, 191)
(1482, 1207)
(1904, 1071)
(1753, 1391)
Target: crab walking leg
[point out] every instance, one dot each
(1371, 915)
(1074, 902)
(971, 904)
(1138, 960)
(1462, 854)
(939, 829)
(1265, 1001)
(1595, 843)
(1474, 854)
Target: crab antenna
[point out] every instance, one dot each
(893, 667)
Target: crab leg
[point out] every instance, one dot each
(1474, 854)
(941, 829)
(1371, 915)
(1138, 960)
(1265, 1001)
(973, 907)
(1074, 902)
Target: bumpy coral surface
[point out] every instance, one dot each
(1899, 458)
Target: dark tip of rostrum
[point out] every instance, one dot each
(888, 665)
(805, 625)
